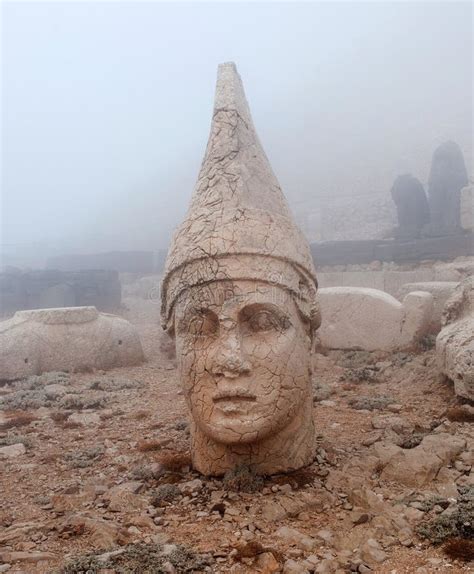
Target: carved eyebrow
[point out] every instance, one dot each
(191, 312)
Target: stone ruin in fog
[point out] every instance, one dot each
(239, 297)
(65, 339)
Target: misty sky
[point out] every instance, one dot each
(106, 106)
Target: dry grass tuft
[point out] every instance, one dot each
(59, 417)
(460, 415)
(149, 445)
(139, 415)
(297, 479)
(253, 548)
(460, 549)
(17, 419)
(71, 425)
(174, 461)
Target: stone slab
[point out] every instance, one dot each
(371, 320)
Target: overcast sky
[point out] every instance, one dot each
(106, 106)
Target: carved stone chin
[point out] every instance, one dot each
(239, 296)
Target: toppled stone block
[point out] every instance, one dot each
(441, 292)
(455, 342)
(371, 320)
(420, 465)
(65, 339)
(12, 450)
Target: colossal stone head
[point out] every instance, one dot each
(239, 296)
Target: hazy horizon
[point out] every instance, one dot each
(106, 106)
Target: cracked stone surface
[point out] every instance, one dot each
(65, 339)
(455, 342)
(372, 320)
(239, 296)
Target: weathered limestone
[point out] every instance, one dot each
(455, 342)
(448, 176)
(239, 296)
(412, 206)
(441, 291)
(371, 320)
(65, 339)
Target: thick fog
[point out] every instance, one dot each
(106, 106)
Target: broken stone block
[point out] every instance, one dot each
(12, 450)
(420, 465)
(441, 292)
(65, 339)
(455, 342)
(372, 320)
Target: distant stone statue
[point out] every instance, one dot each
(239, 296)
(448, 176)
(412, 206)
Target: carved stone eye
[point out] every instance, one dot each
(265, 320)
(202, 324)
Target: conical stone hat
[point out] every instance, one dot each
(238, 213)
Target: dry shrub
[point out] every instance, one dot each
(59, 417)
(17, 419)
(139, 415)
(242, 478)
(460, 549)
(149, 445)
(50, 458)
(460, 415)
(249, 550)
(71, 425)
(253, 548)
(297, 479)
(174, 461)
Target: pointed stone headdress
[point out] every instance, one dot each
(239, 225)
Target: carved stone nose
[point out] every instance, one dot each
(230, 363)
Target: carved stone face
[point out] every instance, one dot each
(244, 359)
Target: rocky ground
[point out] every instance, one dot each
(96, 476)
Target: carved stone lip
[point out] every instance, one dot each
(229, 395)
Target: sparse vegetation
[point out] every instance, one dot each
(165, 493)
(361, 375)
(174, 461)
(15, 439)
(149, 445)
(17, 419)
(412, 440)
(242, 479)
(84, 458)
(81, 402)
(457, 524)
(111, 384)
(370, 403)
(141, 558)
(86, 564)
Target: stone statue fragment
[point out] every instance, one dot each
(412, 206)
(239, 296)
(448, 176)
